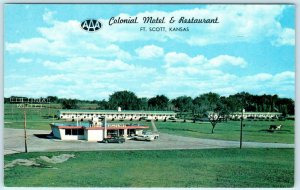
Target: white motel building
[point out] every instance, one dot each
(255, 115)
(115, 115)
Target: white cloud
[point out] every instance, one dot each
(174, 60)
(78, 82)
(58, 40)
(176, 84)
(260, 77)
(24, 60)
(150, 51)
(87, 64)
(227, 60)
(48, 16)
(285, 37)
(284, 76)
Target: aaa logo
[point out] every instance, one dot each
(91, 25)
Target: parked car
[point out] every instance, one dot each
(114, 140)
(147, 136)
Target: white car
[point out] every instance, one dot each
(147, 136)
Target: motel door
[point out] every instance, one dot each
(131, 132)
(121, 132)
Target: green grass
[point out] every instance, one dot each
(253, 131)
(172, 168)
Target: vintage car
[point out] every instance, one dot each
(114, 140)
(146, 136)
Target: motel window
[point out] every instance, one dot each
(74, 131)
(67, 131)
(80, 132)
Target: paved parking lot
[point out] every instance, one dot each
(14, 143)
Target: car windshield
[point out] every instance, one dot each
(147, 133)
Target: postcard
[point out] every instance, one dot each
(149, 95)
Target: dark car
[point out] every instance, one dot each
(114, 140)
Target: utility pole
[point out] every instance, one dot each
(241, 131)
(25, 135)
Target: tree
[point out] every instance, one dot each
(143, 103)
(103, 105)
(286, 106)
(159, 102)
(219, 113)
(52, 99)
(125, 99)
(183, 104)
(69, 104)
(215, 107)
(206, 102)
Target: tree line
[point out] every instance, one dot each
(197, 106)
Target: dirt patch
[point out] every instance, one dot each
(22, 162)
(38, 162)
(57, 159)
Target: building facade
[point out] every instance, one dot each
(117, 115)
(255, 115)
(72, 131)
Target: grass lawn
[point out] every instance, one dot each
(253, 130)
(172, 168)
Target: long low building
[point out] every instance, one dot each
(255, 115)
(85, 131)
(86, 115)
(249, 115)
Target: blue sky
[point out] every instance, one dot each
(252, 49)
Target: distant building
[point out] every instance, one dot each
(111, 115)
(255, 115)
(250, 115)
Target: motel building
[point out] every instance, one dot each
(255, 115)
(115, 115)
(91, 132)
(249, 115)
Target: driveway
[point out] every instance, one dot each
(14, 143)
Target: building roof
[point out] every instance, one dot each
(68, 126)
(117, 112)
(266, 113)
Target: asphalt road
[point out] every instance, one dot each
(14, 143)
